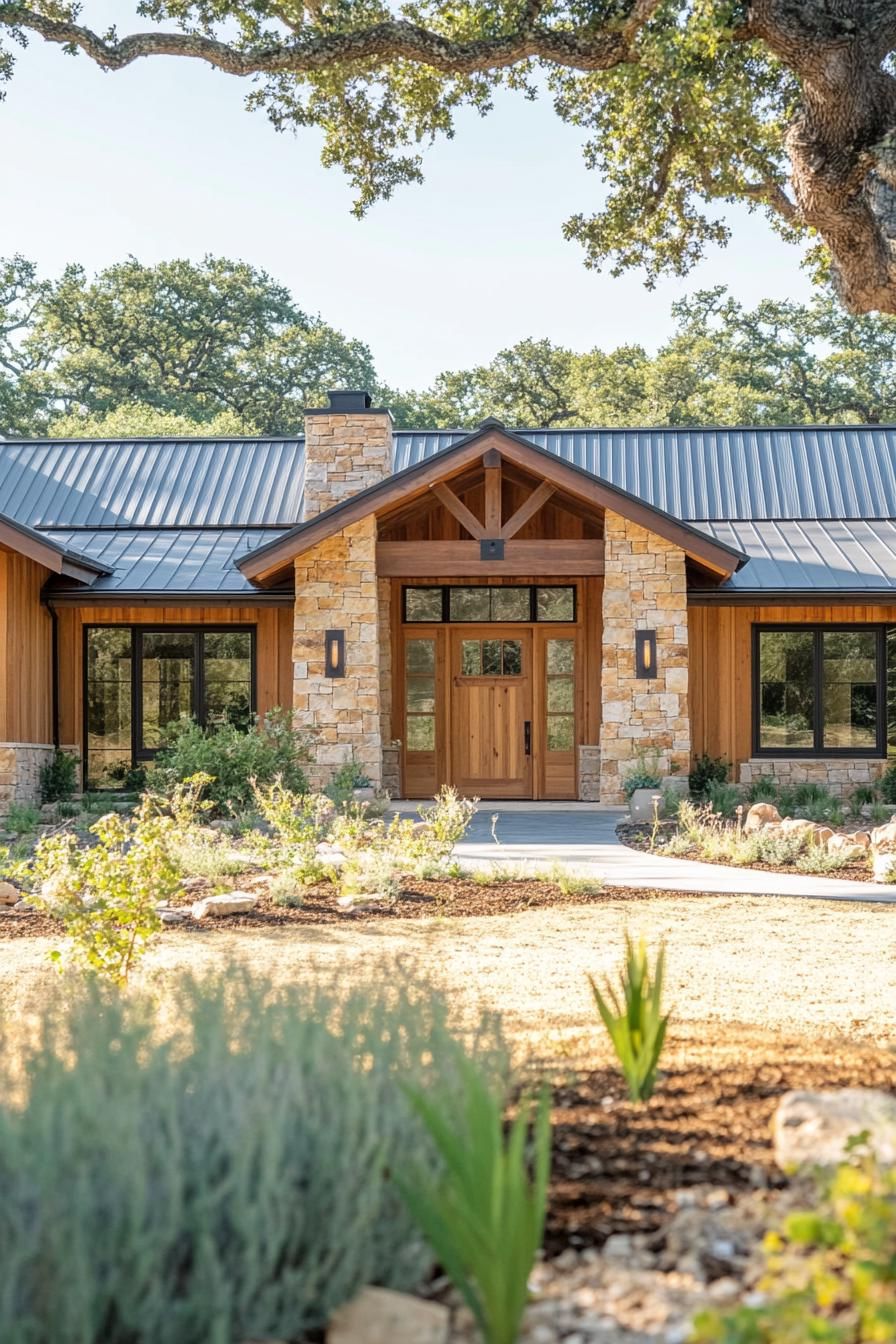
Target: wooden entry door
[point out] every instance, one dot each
(490, 680)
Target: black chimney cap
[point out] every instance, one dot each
(345, 401)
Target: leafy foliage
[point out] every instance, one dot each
(227, 1177)
(830, 1274)
(59, 777)
(302, 821)
(106, 894)
(484, 1217)
(634, 1018)
(273, 748)
(645, 775)
(21, 818)
(887, 784)
(707, 770)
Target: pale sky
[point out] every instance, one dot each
(161, 160)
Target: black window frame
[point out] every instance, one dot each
(140, 755)
(818, 750)
(531, 619)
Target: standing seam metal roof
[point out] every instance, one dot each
(812, 506)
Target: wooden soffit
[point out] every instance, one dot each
(491, 444)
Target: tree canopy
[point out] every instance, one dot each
(219, 348)
(179, 338)
(688, 105)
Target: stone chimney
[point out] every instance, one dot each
(348, 447)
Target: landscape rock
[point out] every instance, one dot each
(796, 825)
(172, 916)
(820, 836)
(192, 883)
(884, 837)
(861, 838)
(760, 815)
(9, 894)
(380, 1316)
(230, 903)
(812, 1128)
(883, 866)
(845, 847)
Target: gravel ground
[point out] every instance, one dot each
(792, 967)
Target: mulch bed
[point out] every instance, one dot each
(617, 1166)
(453, 898)
(638, 835)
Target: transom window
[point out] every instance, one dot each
(435, 604)
(138, 680)
(820, 690)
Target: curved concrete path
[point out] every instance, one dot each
(584, 839)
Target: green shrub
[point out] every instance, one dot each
(484, 1217)
(817, 860)
(106, 894)
(646, 774)
(272, 748)
(830, 1274)
(635, 1021)
(201, 856)
(722, 798)
(705, 771)
(779, 849)
(59, 777)
(228, 1178)
(863, 795)
(344, 782)
(302, 821)
(879, 814)
(287, 890)
(762, 790)
(22, 818)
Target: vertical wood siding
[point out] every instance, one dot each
(26, 635)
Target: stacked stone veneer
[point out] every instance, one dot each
(644, 588)
(839, 774)
(337, 588)
(20, 764)
(589, 774)
(344, 454)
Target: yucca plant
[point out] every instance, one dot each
(483, 1216)
(635, 1020)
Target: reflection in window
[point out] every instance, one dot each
(491, 658)
(167, 675)
(423, 604)
(108, 706)
(507, 602)
(786, 689)
(560, 684)
(849, 688)
(227, 677)
(420, 694)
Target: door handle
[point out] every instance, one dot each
(527, 737)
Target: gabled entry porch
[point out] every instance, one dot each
(482, 609)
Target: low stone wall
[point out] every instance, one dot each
(839, 774)
(392, 770)
(20, 764)
(589, 774)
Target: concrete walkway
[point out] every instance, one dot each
(584, 839)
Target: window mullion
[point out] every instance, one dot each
(819, 690)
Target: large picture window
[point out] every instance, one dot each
(140, 679)
(820, 690)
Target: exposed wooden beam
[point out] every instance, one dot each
(492, 463)
(460, 511)
(527, 510)
(450, 559)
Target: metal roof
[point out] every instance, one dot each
(153, 482)
(810, 506)
(171, 560)
(845, 556)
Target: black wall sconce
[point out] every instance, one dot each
(334, 653)
(645, 653)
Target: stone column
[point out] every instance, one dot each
(348, 447)
(644, 588)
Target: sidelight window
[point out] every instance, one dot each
(420, 694)
(560, 673)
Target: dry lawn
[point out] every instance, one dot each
(824, 972)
